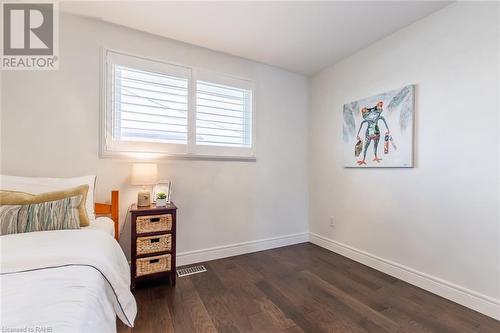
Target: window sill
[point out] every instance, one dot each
(161, 156)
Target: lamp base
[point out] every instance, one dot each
(143, 198)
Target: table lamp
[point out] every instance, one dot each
(144, 174)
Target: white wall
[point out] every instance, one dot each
(442, 217)
(50, 127)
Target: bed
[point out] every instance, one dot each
(67, 280)
(107, 216)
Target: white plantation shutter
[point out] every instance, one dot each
(150, 107)
(223, 115)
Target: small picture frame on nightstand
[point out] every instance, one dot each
(164, 186)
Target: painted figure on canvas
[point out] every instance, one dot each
(371, 117)
(376, 118)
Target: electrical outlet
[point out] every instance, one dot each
(332, 222)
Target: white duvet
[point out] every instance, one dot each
(64, 281)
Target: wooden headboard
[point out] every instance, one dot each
(111, 210)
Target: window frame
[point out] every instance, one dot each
(217, 78)
(154, 150)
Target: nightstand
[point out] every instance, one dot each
(153, 243)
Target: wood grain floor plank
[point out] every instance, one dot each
(443, 310)
(419, 313)
(298, 289)
(239, 285)
(178, 303)
(291, 311)
(218, 303)
(200, 320)
(294, 329)
(163, 324)
(262, 322)
(354, 304)
(279, 319)
(341, 280)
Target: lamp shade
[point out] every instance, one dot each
(144, 174)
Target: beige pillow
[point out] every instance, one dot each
(22, 198)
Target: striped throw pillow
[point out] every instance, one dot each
(51, 215)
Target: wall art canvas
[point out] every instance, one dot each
(378, 130)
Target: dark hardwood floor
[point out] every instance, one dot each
(300, 288)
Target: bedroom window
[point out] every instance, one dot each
(170, 110)
(149, 107)
(223, 114)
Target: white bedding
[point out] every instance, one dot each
(66, 281)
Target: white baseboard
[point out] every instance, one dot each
(469, 298)
(191, 257)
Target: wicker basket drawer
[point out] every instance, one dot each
(153, 223)
(151, 265)
(154, 244)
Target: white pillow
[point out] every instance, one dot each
(103, 224)
(37, 185)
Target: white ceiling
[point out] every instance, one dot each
(303, 37)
